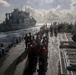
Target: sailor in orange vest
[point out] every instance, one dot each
(42, 60)
(45, 43)
(32, 52)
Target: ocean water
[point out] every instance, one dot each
(22, 31)
(33, 30)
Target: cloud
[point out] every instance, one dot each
(40, 3)
(4, 3)
(48, 1)
(53, 14)
(72, 1)
(47, 4)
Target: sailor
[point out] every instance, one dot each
(29, 37)
(33, 39)
(45, 41)
(55, 31)
(32, 55)
(42, 58)
(40, 35)
(26, 40)
(35, 48)
(51, 30)
(38, 40)
(46, 30)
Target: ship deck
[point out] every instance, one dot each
(15, 61)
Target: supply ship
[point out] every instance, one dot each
(17, 20)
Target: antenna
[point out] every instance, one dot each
(25, 8)
(21, 7)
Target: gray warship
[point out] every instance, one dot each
(17, 20)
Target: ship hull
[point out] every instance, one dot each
(12, 27)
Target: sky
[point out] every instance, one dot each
(42, 10)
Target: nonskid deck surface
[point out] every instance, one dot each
(16, 59)
(8, 61)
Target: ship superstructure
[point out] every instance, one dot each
(17, 20)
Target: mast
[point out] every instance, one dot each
(21, 7)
